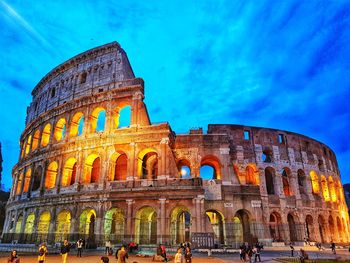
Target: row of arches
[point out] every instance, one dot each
(74, 126)
(330, 190)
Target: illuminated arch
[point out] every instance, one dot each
(45, 137)
(325, 190)
(269, 180)
(76, 125)
(216, 220)
(19, 183)
(114, 223)
(146, 225)
(69, 172)
(19, 223)
(286, 173)
(122, 116)
(36, 140)
(98, 119)
(184, 168)
(27, 180)
(28, 144)
(180, 225)
(332, 189)
(340, 229)
(213, 162)
(51, 174)
(118, 165)
(252, 175)
(244, 218)
(37, 178)
(63, 224)
(147, 164)
(276, 227)
(60, 129)
(87, 224)
(29, 226)
(43, 226)
(302, 182)
(92, 169)
(314, 182)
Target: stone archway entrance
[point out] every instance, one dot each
(146, 226)
(180, 225)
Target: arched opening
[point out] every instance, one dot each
(302, 183)
(77, 123)
(118, 166)
(45, 137)
(325, 190)
(146, 226)
(216, 221)
(19, 223)
(82, 78)
(69, 172)
(37, 178)
(269, 179)
(180, 225)
(87, 226)
(322, 229)
(184, 169)
(60, 130)
(27, 180)
(292, 228)
(62, 226)
(285, 182)
(29, 226)
(244, 219)
(275, 226)
(92, 169)
(114, 225)
(237, 231)
(43, 226)
(36, 140)
(51, 174)
(19, 183)
(267, 156)
(331, 227)
(332, 189)
(314, 182)
(340, 230)
(310, 231)
(122, 117)
(252, 175)
(28, 144)
(147, 164)
(210, 168)
(98, 119)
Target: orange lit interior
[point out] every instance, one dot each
(59, 132)
(19, 184)
(91, 169)
(27, 181)
(94, 117)
(36, 140)
(69, 172)
(28, 144)
(213, 162)
(252, 175)
(118, 166)
(147, 164)
(45, 137)
(332, 189)
(74, 126)
(51, 175)
(314, 182)
(325, 190)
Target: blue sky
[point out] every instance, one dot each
(279, 64)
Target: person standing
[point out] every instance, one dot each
(108, 247)
(65, 250)
(178, 256)
(79, 247)
(333, 247)
(121, 255)
(42, 253)
(257, 251)
(291, 250)
(188, 255)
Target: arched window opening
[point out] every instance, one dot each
(43, 226)
(276, 228)
(77, 123)
(63, 224)
(27, 181)
(69, 172)
(292, 228)
(36, 140)
(19, 184)
(301, 182)
(123, 117)
(314, 182)
(92, 169)
(269, 178)
(60, 130)
(267, 156)
(29, 226)
(322, 229)
(148, 165)
(184, 169)
(114, 225)
(87, 225)
(83, 78)
(332, 189)
(252, 176)
(28, 144)
(245, 220)
(285, 182)
(180, 225)
(325, 190)
(45, 137)
(51, 174)
(118, 167)
(210, 168)
(19, 222)
(216, 220)
(37, 178)
(146, 226)
(310, 233)
(98, 119)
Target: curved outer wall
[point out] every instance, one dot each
(78, 178)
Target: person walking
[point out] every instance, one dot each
(14, 258)
(188, 255)
(42, 253)
(257, 251)
(65, 250)
(121, 255)
(291, 249)
(178, 256)
(79, 247)
(333, 247)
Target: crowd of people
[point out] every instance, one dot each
(246, 252)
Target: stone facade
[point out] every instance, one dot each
(82, 174)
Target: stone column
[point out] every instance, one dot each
(162, 231)
(129, 229)
(51, 235)
(132, 163)
(163, 157)
(135, 109)
(198, 214)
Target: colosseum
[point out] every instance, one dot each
(93, 166)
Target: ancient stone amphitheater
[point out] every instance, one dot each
(85, 173)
